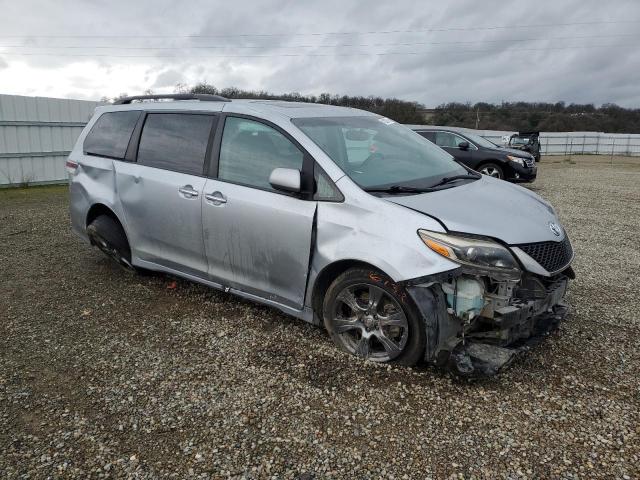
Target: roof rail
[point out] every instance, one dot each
(203, 97)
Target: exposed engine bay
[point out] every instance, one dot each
(477, 325)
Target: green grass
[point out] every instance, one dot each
(29, 193)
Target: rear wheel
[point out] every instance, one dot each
(108, 235)
(492, 170)
(369, 315)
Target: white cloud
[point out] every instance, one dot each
(434, 66)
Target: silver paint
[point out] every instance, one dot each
(271, 247)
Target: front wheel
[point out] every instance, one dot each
(492, 170)
(369, 315)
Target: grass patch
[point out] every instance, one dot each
(29, 193)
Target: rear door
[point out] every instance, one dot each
(161, 192)
(257, 239)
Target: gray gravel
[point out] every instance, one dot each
(104, 374)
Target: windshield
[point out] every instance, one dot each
(519, 140)
(376, 152)
(478, 140)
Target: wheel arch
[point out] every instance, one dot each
(327, 275)
(98, 209)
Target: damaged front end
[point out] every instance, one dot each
(477, 325)
(478, 319)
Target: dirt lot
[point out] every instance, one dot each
(103, 374)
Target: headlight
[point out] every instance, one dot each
(518, 160)
(482, 254)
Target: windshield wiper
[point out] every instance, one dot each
(408, 189)
(399, 189)
(446, 180)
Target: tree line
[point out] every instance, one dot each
(509, 116)
(399, 110)
(545, 117)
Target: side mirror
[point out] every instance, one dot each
(285, 179)
(463, 145)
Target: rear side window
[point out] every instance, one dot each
(431, 136)
(251, 150)
(110, 135)
(175, 141)
(446, 139)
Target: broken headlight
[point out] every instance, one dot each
(482, 254)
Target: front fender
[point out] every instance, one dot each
(383, 235)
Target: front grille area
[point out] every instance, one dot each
(529, 162)
(552, 256)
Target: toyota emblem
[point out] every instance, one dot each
(555, 228)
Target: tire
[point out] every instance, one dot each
(383, 325)
(492, 170)
(108, 235)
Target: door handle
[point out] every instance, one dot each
(217, 198)
(188, 191)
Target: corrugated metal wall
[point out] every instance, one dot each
(36, 135)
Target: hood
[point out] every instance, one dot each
(488, 207)
(516, 152)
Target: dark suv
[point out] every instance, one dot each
(481, 155)
(526, 141)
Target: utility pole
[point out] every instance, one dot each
(477, 117)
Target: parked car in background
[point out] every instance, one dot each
(527, 142)
(481, 155)
(334, 215)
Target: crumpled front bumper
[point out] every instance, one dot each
(485, 344)
(472, 357)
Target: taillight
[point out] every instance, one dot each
(71, 166)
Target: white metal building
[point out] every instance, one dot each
(36, 135)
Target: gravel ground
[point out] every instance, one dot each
(105, 374)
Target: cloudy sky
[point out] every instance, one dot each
(431, 51)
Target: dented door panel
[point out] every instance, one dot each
(258, 241)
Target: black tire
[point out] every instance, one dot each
(491, 170)
(393, 299)
(108, 235)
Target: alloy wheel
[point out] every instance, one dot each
(370, 322)
(491, 172)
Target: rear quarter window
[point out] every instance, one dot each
(110, 135)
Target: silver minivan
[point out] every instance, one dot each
(337, 216)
